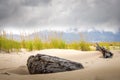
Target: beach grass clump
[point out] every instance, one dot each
(37, 44)
(29, 45)
(9, 45)
(74, 45)
(15, 45)
(46, 45)
(23, 43)
(5, 44)
(115, 45)
(105, 44)
(110, 45)
(84, 46)
(57, 43)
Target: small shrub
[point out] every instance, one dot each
(57, 43)
(84, 46)
(9, 45)
(37, 43)
(74, 45)
(23, 45)
(29, 45)
(45, 45)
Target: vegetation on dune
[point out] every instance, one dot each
(57, 43)
(74, 45)
(111, 45)
(23, 44)
(29, 45)
(84, 46)
(105, 44)
(37, 44)
(9, 45)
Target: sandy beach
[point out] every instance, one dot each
(13, 65)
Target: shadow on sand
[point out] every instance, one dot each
(22, 70)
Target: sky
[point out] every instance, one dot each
(60, 15)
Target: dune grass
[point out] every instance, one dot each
(74, 45)
(111, 45)
(29, 45)
(9, 45)
(57, 43)
(84, 46)
(37, 44)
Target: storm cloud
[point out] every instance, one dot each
(69, 15)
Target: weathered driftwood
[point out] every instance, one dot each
(40, 63)
(106, 53)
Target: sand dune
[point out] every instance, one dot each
(13, 66)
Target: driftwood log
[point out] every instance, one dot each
(106, 53)
(40, 64)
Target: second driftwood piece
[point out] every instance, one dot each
(105, 52)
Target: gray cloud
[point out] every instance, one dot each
(36, 2)
(81, 15)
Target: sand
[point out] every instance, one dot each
(13, 66)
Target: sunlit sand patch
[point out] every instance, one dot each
(13, 66)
